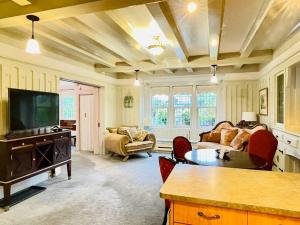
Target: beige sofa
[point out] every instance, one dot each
(204, 142)
(120, 144)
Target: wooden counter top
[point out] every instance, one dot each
(261, 191)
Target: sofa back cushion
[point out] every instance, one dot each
(223, 125)
(242, 137)
(227, 135)
(140, 135)
(125, 131)
(214, 136)
(112, 130)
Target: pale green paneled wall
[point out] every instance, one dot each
(23, 76)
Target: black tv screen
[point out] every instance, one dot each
(32, 109)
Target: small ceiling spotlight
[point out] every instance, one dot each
(191, 7)
(214, 79)
(137, 81)
(32, 46)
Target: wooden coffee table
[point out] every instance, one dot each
(233, 159)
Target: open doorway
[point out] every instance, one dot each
(80, 112)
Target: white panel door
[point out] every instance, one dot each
(86, 122)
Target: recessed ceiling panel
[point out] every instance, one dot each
(239, 16)
(192, 26)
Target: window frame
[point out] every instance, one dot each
(182, 107)
(166, 107)
(197, 107)
(62, 107)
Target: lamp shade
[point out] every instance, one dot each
(249, 116)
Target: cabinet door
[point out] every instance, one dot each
(207, 215)
(62, 149)
(22, 160)
(264, 219)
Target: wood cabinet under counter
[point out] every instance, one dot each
(225, 196)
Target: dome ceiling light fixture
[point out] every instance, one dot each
(32, 46)
(156, 48)
(214, 79)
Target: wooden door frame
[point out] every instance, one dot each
(99, 119)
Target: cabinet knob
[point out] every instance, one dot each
(23, 143)
(215, 217)
(45, 139)
(33, 159)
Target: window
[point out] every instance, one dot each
(159, 108)
(182, 109)
(207, 108)
(68, 107)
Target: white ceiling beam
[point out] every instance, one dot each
(169, 71)
(162, 14)
(253, 35)
(46, 33)
(215, 21)
(190, 70)
(204, 61)
(22, 2)
(12, 14)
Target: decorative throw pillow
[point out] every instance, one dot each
(140, 135)
(242, 137)
(227, 135)
(133, 131)
(214, 136)
(125, 131)
(112, 130)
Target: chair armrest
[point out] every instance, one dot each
(151, 137)
(204, 136)
(116, 143)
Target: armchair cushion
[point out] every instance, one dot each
(138, 145)
(227, 135)
(214, 136)
(140, 135)
(125, 131)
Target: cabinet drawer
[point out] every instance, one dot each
(279, 159)
(278, 135)
(207, 215)
(291, 141)
(264, 219)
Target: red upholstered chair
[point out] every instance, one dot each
(181, 145)
(262, 143)
(166, 166)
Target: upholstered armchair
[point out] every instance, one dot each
(120, 144)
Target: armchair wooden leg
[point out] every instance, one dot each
(149, 154)
(125, 158)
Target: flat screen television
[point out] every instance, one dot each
(32, 109)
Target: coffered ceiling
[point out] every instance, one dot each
(113, 36)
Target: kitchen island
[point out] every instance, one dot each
(201, 195)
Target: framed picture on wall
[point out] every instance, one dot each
(263, 102)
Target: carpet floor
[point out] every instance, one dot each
(103, 190)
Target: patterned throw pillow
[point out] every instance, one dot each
(140, 135)
(227, 135)
(214, 136)
(125, 131)
(242, 137)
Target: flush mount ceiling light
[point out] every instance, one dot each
(136, 81)
(156, 48)
(191, 7)
(214, 79)
(32, 46)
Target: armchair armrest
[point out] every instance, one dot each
(116, 143)
(151, 137)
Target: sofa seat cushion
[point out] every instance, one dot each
(212, 145)
(138, 146)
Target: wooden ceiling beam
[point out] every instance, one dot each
(82, 26)
(11, 14)
(200, 62)
(48, 34)
(22, 2)
(254, 33)
(215, 21)
(162, 14)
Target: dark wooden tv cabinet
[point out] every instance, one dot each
(27, 156)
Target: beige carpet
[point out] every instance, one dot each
(103, 191)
